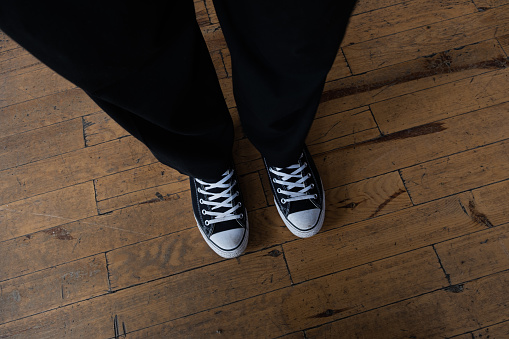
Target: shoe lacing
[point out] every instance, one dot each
(222, 199)
(294, 182)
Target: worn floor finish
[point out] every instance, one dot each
(97, 239)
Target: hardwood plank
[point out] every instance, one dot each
(345, 141)
(202, 16)
(504, 42)
(341, 124)
(370, 5)
(339, 69)
(99, 128)
(378, 238)
(54, 287)
(31, 85)
(6, 43)
(475, 255)
(211, 11)
(457, 173)
(94, 235)
(227, 88)
(425, 40)
(485, 5)
(150, 195)
(136, 179)
(411, 76)
(454, 311)
(402, 17)
(296, 335)
(214, 37)
(495, 331)
(311, 303)
(52, 209)
(18, 61)
(41, 143)
(170, 298)
(45, 111)
(72, 168)
(217, 60)
(487, 202)
(417, 146)
(441, 102)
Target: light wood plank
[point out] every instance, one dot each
(99, 128)
(426, 40)
(18, 61)
(441, 102)
(475, 255)
(370, 5)
(457, 173)
(45, 111)
(381, 237)
(94, 235)
(311, 303)
(485, 5)
(496, 331)
(477, 304)
(24, 148)
(418, 145)
(170, 298)
(31, 85)
(72, 168)
(402, 17)
(52, 209)
(54, 287)
(429, 71)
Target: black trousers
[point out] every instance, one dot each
(145, 63)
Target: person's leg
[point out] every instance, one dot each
(281, 53)
(147, 66)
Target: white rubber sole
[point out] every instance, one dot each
(227, 254)
(301, 233)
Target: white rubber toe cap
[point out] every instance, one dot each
(228, 240)
(305, 219)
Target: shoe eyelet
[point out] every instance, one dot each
(241, 215)
(207, 222)
(278, 190)
(203, 212)
(283, 201)
(315, 196)
(201, 201)
(273, 179)
(312, 185)
(240, 204)
(199, 190)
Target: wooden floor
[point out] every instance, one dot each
(97, 239)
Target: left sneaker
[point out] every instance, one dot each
(299, 195)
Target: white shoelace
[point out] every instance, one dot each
(221, 199)
(300, 183)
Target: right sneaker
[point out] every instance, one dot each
(220, 214)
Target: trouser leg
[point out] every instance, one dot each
(281, 53)
(144, 63)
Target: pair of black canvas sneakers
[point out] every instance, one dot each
(222, 217)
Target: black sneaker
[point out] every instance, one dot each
(298, 195)
(220, 214)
